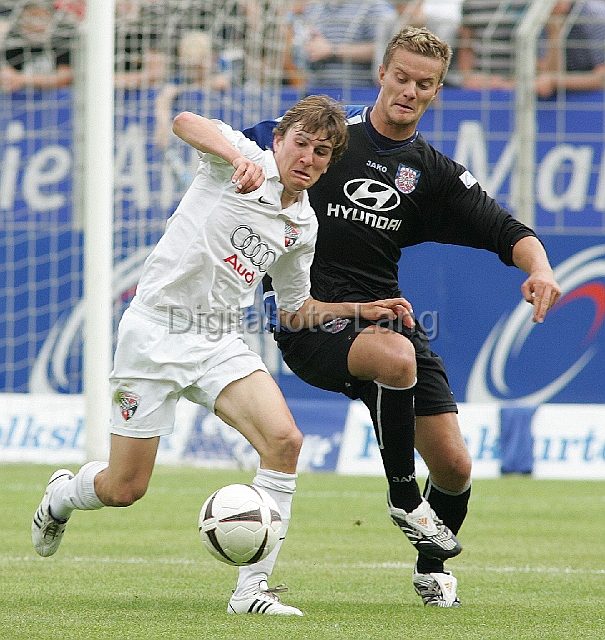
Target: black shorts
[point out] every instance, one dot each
(319, 357)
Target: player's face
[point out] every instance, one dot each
(301, 158)
(408, 86)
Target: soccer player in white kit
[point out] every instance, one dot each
(246, 214)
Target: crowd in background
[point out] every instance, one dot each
(171, 44)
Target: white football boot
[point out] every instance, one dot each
(264, 600)
(436, 589)
(47, 532)
(426, 531)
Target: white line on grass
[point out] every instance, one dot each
(388, 566)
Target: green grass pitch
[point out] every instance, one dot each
(533, 565)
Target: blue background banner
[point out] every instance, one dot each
(469, 302)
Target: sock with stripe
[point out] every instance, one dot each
(392, 411)
(281, 487)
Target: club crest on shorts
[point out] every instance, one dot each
(128, 402)
(336, 325)
(406, 178)
(292, 234)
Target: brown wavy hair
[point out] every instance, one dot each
(318, 113)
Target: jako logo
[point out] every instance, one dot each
(577, 278)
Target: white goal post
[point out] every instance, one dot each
(525, 101)
(98, 183)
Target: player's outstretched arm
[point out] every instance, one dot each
(540, 289)
(314, 312)
(202, 134)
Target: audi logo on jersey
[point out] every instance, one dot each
(253, 247)
(371, 194)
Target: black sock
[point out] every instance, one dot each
(392, 412)
(451, 508)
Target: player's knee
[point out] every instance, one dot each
(399, 369)
(126, 494)
(292, 443)
(286, 447)
(455, 472)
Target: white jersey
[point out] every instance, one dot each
(219, 244)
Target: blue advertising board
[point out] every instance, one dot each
(469, 302)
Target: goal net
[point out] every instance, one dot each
(222, 60)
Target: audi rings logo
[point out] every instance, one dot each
(253, 247)
(579, 279)
(371, 194)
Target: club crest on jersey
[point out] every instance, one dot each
(128, 402)
(292, 234)
(406, 178)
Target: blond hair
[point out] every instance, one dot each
(421, 41)
(318, 113)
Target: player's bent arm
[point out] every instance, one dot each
(202, 134)
(314, 312)
(540, 289)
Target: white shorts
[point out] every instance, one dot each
(153, 368)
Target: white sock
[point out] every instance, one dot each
(77, 493)
(281, 487)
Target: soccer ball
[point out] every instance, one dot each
(240, 524)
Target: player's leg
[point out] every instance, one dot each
(142, 410)
(387, 359)
(448, 487)
(96, 485)
(255, 406)
(363, 361)
(441, 445)
(126, 478)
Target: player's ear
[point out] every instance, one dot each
(437, 91)
(277, 140)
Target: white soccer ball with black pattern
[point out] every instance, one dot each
(240, 524)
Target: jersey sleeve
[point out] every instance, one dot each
(290, 275)
(244, 145)
(466, 215)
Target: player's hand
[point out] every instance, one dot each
(542, 290)
(248, 175)
(391, 309)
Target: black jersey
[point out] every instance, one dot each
(374, 202)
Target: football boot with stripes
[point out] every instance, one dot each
(426, 531)
(436, 589)
(47, 532)
(264, 600)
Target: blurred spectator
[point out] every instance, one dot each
(574, 56)
(36, 50)
(74, 10)
(441, 18)
(5, 13)
(140, 55)
(233, 26)
(196, 71)
(340, 41)
(486, 53)
(295, 58)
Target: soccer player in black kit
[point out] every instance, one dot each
(392, 190)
